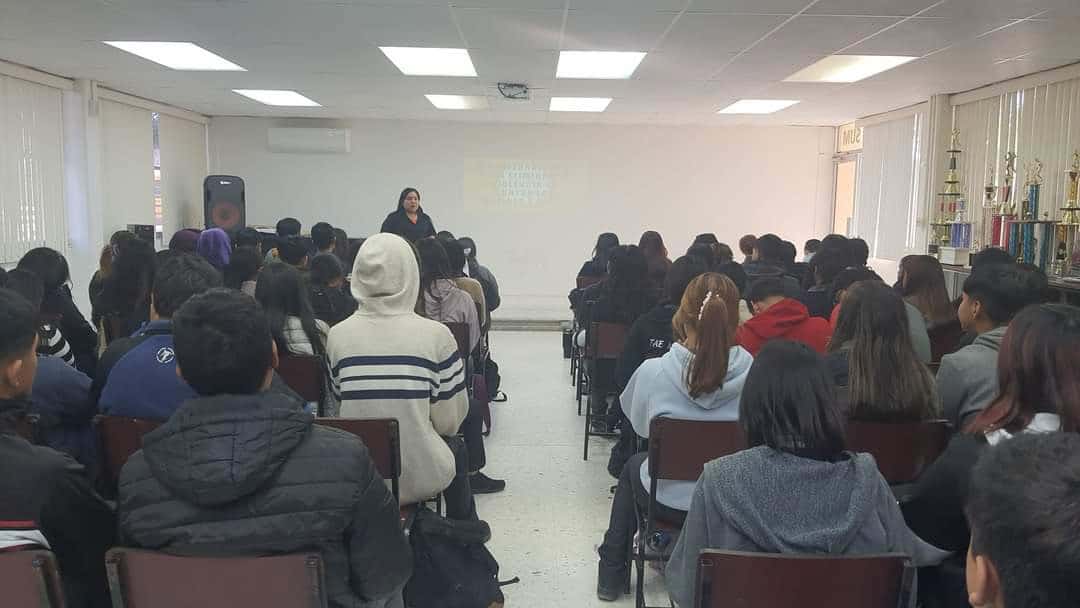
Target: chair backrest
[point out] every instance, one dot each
(303, 374)
(461, 335)
(770, 580)
(144, 579)
(120, 438)
(383, 440)
(606, 340)
(583, 282)
(902, 449)
(944, 339)
(679, 449)
(30, 579)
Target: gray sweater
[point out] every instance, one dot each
(967, 380)
(766, 501)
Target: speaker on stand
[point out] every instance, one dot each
(224, 202)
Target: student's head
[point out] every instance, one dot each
(811, 246)
(922, 282)
(705, 253)
(705, 324)
(789, 253)
(746, 244)
(341, 244)
(706, 238)
(628, 270)
(27, 285)
(248, 238)
(860, 252)
(354, 250)
(848, 277)
(724, 254)
(468, 245)
(182, 241)
(132, 276)
(455, 255)
(18, 345)
(736, 273)
(994, 293)
(605, 244)
(789, 403)
(1036, 370)
(244, 265)
(434, 263)
(282, 293)
(322, 236)
(289, 226)
(683, 270)
(887, 381)
(293, 252)
(826, 264)
(223, 344)
(326, 271)
(1023, 508)
(214, 246)
(764, 293)
(445, 235)
(52, 268)
(769, 248)
(409, 200)
(990, 256)
(652, 245)
(178, 279)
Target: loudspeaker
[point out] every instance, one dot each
(223, 202)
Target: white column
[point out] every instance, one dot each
(82, 187)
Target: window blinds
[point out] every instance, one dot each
(127, 140)
(183, 167)
(32, 211)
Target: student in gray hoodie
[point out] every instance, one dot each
(967, 380)
(795, 490)
(700, 378)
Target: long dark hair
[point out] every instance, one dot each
(468, 245)
(888, 382)
(628, 286)
(1036, 371)
(127, 288)
(434, 266)
(713, 324)
(281, 291)
(401, 199)
(922, 283)
(652, 245)
(52, 268)
(605, 244)
(244, 265)
(789, 403)
(341, 245)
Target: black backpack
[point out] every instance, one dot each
(451, 566)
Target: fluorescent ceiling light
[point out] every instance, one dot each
(177, 55)
(758, 106)
(579, 104)
(608, 65)
(458, 102)
(848, 68)
(416, 61)
(272, 97)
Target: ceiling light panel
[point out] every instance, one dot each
(848, 68)
(458, 102)
(600, 65)
(277, 97)
(758, 106)
(417, 61)
(579, 104)
(177, 55)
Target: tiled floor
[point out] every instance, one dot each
(553, 514)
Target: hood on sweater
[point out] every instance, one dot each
(778, 319)
(435, 297)
(386, 275)
(215, 450)
(787, 504)
(673, 367)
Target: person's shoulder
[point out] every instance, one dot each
(44, 462)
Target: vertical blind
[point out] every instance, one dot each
(183, 167)
(127, 140)
(32, 212)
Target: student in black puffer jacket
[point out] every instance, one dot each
(239, 471)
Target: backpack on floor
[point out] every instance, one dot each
(451, 566)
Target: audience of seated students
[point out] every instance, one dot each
(46, 500)
(778, 317)
(455, 258)
(597, 266)
(656, 255)
(58, 306)
(293, 251)
(872, 360)
(330, 300)
(706, 253)
(323, 239)
(137, 374)
(52, 342)
(1037, 391)
(241, 470)
(700, 378)
(214, 246)
(810, 248)
(125, 297)
(409, 220)
(768, 262)
(1024, 508)
(61, 395)
(746, 247)
(285, 228)
(920, 340)
(800, 270)
(282, 292)
(388, 361)
(967, 380)
(440, 298)
(243, 270)
(796, 489)
(248, 238)
(481, 273)
(922, 283)
(826, 264)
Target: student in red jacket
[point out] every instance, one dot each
(779, 317)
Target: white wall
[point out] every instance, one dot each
(678, 180)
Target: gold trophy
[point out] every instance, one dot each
(1069, 212)
(1067, 229)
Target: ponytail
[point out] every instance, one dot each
(710, 309)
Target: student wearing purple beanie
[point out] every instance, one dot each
(214, 246)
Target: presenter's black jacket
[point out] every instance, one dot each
(399, 223)
(252, 475)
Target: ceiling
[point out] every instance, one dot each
(703, 54)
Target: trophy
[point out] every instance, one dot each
(1006, 189)
(949, 195)
(1069, 225)
(1034, 184)
(1069, 212)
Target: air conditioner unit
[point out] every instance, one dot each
(308, 141)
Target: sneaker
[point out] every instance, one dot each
(482, 484)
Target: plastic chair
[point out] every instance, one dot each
(30, 579)
(383, 440)
(769, 580)
(120, 438)
(147, 579)
(604, 342)
(902, 450)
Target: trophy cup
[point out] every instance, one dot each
(1069, 225)
(944, 231)
(990, 208)
(1006, 208)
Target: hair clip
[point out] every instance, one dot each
(701, 313)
